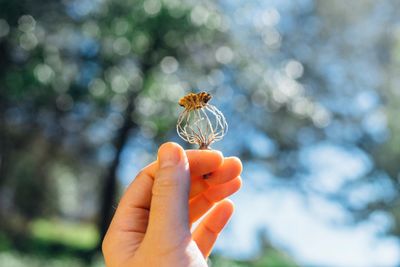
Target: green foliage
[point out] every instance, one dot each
(17, 259)
(5, 243)
(68, 78)
(270, 258)
(70, 234)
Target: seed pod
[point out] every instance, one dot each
(200, 123)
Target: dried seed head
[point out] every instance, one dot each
(194, 101)
(200, 123)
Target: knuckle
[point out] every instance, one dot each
(167, 180)
(163, 183)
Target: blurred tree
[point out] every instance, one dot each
(268, 257)
(333, 84)
(155, 30)
(82, 79)
(74, 75)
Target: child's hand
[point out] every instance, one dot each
(151, 226)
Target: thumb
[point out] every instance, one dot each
(170, 193)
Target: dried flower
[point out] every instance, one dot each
(200, 123)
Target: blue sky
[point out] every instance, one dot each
(312, 241)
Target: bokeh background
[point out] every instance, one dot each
(310, 89)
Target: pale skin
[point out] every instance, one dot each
(152, 224)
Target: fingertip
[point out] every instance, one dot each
(214, 155)
(221, 191)
(239, 182)
(204, 161)
(227, 205)
(170, 154)
(219, 154)
(236, 184)
(231, 168)
(169, 146)
(220, 215)
(236, 162)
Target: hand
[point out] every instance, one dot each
(151, 226)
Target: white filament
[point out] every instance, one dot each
(202, 126)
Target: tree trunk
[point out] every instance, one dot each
(109, 190)
(110, 182)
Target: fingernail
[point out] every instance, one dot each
(169, 155)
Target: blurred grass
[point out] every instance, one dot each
(73, 234)
(5, 243)
(19, 259)
(57, 243)
(271, 257)
(52, 243)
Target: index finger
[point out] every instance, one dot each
(203, 162)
